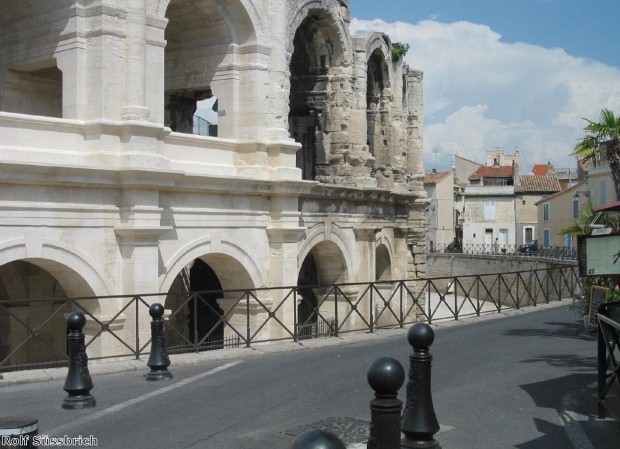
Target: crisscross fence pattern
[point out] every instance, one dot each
(553, 252)
(33, 334)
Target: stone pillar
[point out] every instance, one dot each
(284, 270)
(225, 86)
(155, 75)
(365, 242)
(134, 106)
(138, 238)
(279, 72)
(415, 164)
(73, 64)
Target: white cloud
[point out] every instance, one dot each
(481, 92)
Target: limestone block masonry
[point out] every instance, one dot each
(312, 173)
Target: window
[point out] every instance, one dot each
(602, 194)
(568, 242)
(576, 206)
(546, 212)
(546, 238)
(489, 210)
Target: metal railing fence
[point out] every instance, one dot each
(36, 333)
(554, 252)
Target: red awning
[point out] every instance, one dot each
(611, 207)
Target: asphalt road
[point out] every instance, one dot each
(525, 381)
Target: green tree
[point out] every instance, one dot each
(602, 143)
(399, 50)
(585, 218)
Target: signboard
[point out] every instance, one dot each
(596, 255)
(598, 296)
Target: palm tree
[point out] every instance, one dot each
(602, 143)
(587, 214)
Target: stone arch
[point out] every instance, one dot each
(379, 80)
(205, 249)
(210, 271)
(383, 263)
(207, 34)
(239, 13)
(333, 244)
(74, 269)
(318, 8)
(37, 276)
(319, 53)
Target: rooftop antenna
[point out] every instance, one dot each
(436, 150)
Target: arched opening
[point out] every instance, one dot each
(203, 42)
(197, 39)
(307, 304)
(203, 313)
(377, 114)
(195, 314)
(33, 309)
(316, 52)
(323, 266)
(383, 264)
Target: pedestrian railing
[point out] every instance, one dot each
(37, 330)
(608, 351)
(553, 252)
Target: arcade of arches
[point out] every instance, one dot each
(310, 171)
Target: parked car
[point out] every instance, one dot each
(530, 247)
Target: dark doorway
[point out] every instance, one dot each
(306, 315)
(205, 313)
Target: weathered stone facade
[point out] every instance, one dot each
(105, 191)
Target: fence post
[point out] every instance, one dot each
(336, 310)
(195, 323)
(385, 376)
(78, 382)
(402, 318)
(419, 423)
(158, 358)
(247, 315)
(137, 329)
(295, 336)
(371, 309)
(601, 367)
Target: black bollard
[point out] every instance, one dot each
(385, 376)
(78, 383)
(419, 423)
(158, 358)
(318, 439)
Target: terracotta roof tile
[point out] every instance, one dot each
(434, 178)
(543, 169)
(534, 183)
(493, 172)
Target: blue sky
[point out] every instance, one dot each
(519, 74)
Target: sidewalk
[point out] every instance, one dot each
(107, 367)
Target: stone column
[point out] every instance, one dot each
(134, 106)
(284, 272)
(415, 164)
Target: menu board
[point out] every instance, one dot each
(598, 296)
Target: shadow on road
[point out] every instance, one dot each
(574, 398)
(555, 329)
